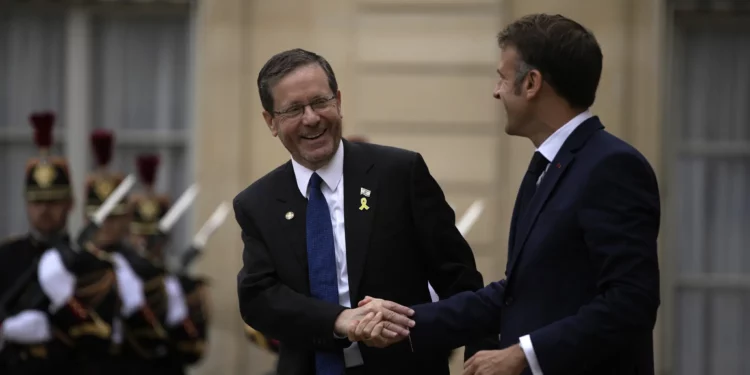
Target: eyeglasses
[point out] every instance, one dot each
(295, 111)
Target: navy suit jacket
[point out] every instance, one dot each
(582, 277)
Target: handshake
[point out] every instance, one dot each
(375, 322)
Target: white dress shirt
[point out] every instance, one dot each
(549, 149)
(332, 188)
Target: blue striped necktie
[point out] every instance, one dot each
(321, 260)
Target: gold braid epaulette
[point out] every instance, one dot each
(99, 253)
(96, 327)
(94, 286)
(156, 295)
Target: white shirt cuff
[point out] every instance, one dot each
(528, 350)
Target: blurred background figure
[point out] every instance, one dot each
(100, 184)
(27, 342)
(149, 207)
(419, 75)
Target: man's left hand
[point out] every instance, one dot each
(510, 361)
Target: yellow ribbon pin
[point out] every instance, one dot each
(364, 204)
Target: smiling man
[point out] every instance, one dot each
(581, 288)
(338, 222)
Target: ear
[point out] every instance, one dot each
(338, 101)
(533, 84)
(269, 122)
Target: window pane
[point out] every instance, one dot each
(712, 335)
(711, 184)
(744, 328)
(713, 215)
(31, 64)
(717, 84)
(690, 333)
(13, 159)
(726, 333)
(140, 66)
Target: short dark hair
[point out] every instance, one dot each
(566, 53)
(283, 63)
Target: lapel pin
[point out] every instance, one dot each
(365, 192)
(289, 215)
(363, 205)
(559, 165)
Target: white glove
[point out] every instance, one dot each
(117, 333)
(177, 309)
(27, 327)
(56, 281)
(130, 286)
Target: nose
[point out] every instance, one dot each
(496, 91)
(310, 117)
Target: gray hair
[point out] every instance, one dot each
(523, 69)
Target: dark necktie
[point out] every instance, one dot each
(528, 185)
(321, 260)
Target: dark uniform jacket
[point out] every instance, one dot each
(18, 263)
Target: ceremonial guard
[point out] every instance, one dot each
(69, 291)
(148, 209)
(28, 342)
(130, 311)
(186, 316)
(138, 334)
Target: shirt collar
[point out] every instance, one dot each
(330, 173)
(551, 146)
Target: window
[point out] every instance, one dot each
(125, 67)
(710, 206)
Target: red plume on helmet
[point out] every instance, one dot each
(42, 123)
(102, 141)
(147, 165)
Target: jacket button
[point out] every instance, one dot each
(508, 301)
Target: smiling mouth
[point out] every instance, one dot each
(314, 136)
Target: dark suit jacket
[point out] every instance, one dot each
(582, 276)
(407, 238)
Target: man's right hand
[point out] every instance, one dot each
(396, 319)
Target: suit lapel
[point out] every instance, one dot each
(358, 217)
(291, 214)
(514, 225)
(565, 157)
(527, 219)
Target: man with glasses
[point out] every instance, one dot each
(339, 222)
